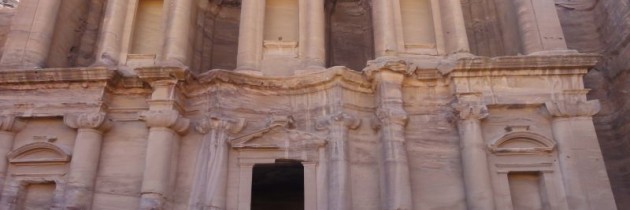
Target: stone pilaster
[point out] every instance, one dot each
(586, 183)
(32, 29)
(250, 37)
(315, 52)
(177, 42)
(339, 184)
(85, 158)
(210, 183)
(385, 42)
(479, 194)
(454, 26)
(539, 26)
(388, 76)
(9, 126)
(161, 156)
(110, 39)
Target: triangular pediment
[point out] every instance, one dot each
(39, 152)
(278, 137)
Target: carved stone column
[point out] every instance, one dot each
(210, 183)
(315, 52)
(161, 156)
(339, 187)
(9, 126)
(250, 37)
(385, 42)
(539, 26)
(388, 76)
(110, 38)
(177, 41)
(85, 158)
(32, 29)
(479, 194)
(454, 26)
(584, 175)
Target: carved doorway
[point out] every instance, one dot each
(278, 186)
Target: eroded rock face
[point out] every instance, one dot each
(478, 112)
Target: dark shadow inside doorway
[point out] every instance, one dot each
(278, 186)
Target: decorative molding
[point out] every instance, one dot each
(582, 61)
(28, 153)
(165, 119)
(155, 73)
(279, 137)
(10, 123)
(214, 122)
(57, 75)
(348, 120)
(96, 120)
(579, 108)
(471, 111)
(540, 143)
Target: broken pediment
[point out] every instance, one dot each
(39, 152)
(279, 137)
(522, 143)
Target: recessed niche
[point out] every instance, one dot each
(526, 190)
(418, 25)
(148, 33)
(38, 196)
(281, 20)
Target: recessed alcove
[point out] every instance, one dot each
(349, 32)
(38, 196)
(418, 24)
(216, 39)
(527, 191)
(281, 20)
(148, 27)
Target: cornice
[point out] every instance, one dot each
(57, 75)
(525, 65)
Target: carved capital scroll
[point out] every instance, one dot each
(471, 111)
(10, 123)
(566, 108)
(96, 120)
(391, 116)
(166, 119)
(393, 64)
(230, 125)
(348, 120)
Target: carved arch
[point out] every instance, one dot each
(39, 152)
(522, 142)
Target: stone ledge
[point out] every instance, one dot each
(57, 75)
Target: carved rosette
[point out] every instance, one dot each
(10, 123)
(166, 119)
(96, 121)
(578, 108)
(232, 126)
(471, 111)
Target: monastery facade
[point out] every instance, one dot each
(295, 104)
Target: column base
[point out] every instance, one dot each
(152, 201)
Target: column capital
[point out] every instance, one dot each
(348, 120)
(579, 108)
(165, 119)
(10, 123)
(389, 63)
(213, 122)
(470, 111)
(95, 120)
(391, 116)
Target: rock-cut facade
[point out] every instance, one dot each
(382, 105)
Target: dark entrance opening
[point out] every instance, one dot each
(278, 186)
